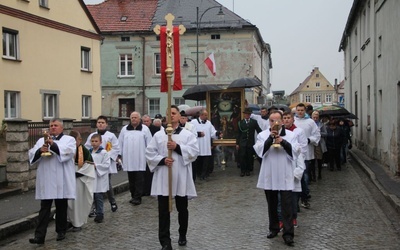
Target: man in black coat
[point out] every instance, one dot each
(245, 142)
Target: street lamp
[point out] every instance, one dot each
(198, 20)
(185, 65)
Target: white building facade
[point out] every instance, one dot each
(372, 78)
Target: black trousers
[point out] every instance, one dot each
(246, 159)
(202, 166)
(44, 217)
(148, 179)
(136, 183)
(164, 220)
(286, 208)
(334, 157)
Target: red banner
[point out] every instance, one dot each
(177, 61)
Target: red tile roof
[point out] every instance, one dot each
(139, 15)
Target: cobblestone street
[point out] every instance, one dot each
(231, 213)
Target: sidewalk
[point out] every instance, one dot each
(19, 211)
(387, 183)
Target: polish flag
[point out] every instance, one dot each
(210, 62)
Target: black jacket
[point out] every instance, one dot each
(246, 132)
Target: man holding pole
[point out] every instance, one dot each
(169, 45)
(184, 149)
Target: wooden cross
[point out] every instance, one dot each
(169, 71)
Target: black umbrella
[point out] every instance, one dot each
(333, 110)
(245, 82)
(199, 92)
(282, 107)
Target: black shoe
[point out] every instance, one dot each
(92, 213)
(289, 241)
(76, 229)
(99, 218)
(241, 174)
(182, 241)
(166, 247)
(271, 235)
(36, 241)
(60, 236)
(136, 202)
(247, 173)
(114, 207)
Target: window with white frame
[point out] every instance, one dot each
(10, 44)
(317, 84)
(85, 59)
(86, 106)
(49, 105)
(179, 101)
(157, 63)
(11, 104)
(308, 98)
(318, 98)
(125, 65)
(154, 106)
(328, 98)
(44, 3)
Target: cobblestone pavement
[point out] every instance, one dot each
(231, 213)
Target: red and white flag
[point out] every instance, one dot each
(210, 62)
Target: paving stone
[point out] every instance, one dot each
(231, 213)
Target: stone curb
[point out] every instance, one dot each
(30, 222)
(392, 199)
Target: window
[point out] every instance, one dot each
(179, 101)
(214, 37)
(308, 98)
(328, 98)
(11, 104)
(125, 65)
(154, 107)
(379, 46)
(318, 98)
(317, 84)
(86, 106)
(49, 106)
(10, 44)
(316, 75)
(157, 64)
(125, 39)
(85, 59)
(44, 3)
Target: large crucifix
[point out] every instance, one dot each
(169, 72)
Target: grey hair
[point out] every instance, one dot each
(57, 120)
(157, 121)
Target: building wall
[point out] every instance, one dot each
(310, 88)
(372, 62)
(235, 56)
(50, 60)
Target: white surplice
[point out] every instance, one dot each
(133, 145)
(311, 132)
(263, 123)
(182, 177)
(189, 126)
(55, 174)
(276, 171)
(111, 144)
(79, 208)
(102, 162)
(205, 141)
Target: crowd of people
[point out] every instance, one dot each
(291, 146)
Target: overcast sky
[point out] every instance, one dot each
(303, 34)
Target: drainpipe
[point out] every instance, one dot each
(143, 75)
